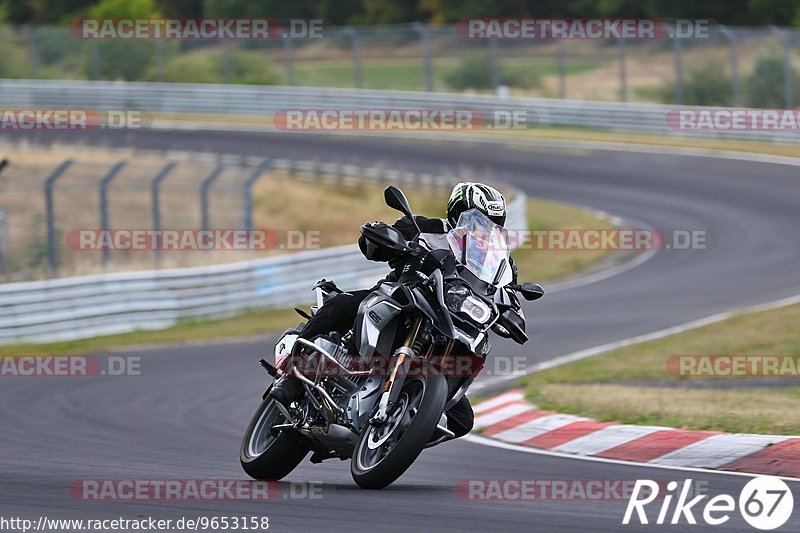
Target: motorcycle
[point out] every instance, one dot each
(378, 395)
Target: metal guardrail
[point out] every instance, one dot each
(88, 306)
(265, 101)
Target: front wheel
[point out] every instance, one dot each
(263, 455)
(383, 453)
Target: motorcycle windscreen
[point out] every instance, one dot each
(481, 246)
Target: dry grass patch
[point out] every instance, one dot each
(772, 332)
(757, 410)
(596, 386)
(545, 265)
(334, 209)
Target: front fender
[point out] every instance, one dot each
(437, 313)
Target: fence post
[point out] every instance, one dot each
(495, 64)
(425, 37)
(225, 60)
(94, 52)
(33, 51)
(104, 184)
(562, 68)
(247, 215)
(355, 39)
(677, 52)
(623, 71)
(731, 38)
(288, 55)
(49, 184)
(155, 190)
(204, 188)
(159, 44)
(788, 89)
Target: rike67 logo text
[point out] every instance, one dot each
(765, 503)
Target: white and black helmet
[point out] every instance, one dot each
(470, 195)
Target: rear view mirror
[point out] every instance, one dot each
(529, 291)
(397, 200)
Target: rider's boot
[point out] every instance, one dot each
(286, 390)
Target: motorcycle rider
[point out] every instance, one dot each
(340, 311)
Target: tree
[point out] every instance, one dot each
(126, 59)
(124, 9)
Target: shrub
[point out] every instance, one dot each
(125, 60)
(765, 86)
(708, 85)
(475, 72)
(205, 66)
(128, 60)
(13, 59)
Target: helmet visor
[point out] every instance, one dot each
(500, 220)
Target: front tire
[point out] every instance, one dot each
(263, 455)
(382, 454)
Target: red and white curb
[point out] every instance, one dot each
(509, 418)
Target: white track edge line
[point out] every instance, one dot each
(485, 441)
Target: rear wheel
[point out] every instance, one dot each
(383, 453)
(263, 455)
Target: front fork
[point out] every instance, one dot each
(391, 389)
(401, 361)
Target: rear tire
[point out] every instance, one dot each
(369, 469)
(264, 456)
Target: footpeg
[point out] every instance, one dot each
(441, 433)
(277, 428)
(447, 433)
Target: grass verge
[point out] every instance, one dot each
(619, 385)
(755, 410)
(548, 265)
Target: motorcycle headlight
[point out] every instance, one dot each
(455, 296)
(476, 309)
(459, 299)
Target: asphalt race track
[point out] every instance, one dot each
(184, 416)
